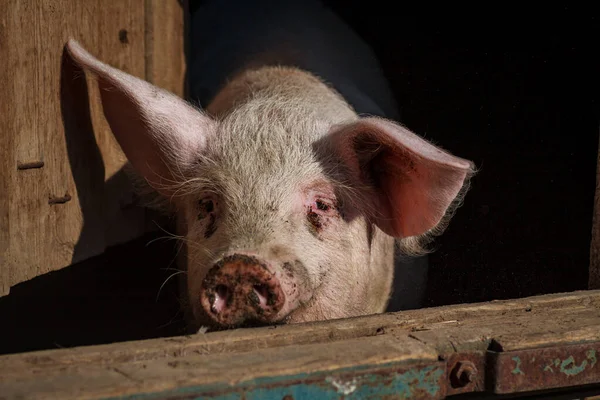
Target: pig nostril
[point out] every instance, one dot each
(263, 293)
(239, 290)
(222, 291)
(221, 297)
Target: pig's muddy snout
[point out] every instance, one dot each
(241, 289)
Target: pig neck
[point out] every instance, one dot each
(297, 87)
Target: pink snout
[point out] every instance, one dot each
(240, 288)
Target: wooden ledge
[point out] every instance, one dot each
(431, 353)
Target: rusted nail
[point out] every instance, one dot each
(463, 374)
(29, 165)
(59, 200)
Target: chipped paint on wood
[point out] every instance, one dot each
(545, 368)
(426, 379)
(424, 382)
(343, 387)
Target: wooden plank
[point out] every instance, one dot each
(215, 373)
(55, 212)
(7, 160)
(63, 194)
(448, 321)
(594, 275)
(240, 360)
(165, 58)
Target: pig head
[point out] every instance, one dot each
(289, 203)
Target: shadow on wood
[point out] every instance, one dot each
(84, 156)
(108, 298)
(112, 297)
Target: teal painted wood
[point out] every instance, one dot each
(362, 382)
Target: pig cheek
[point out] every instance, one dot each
(339, 291)
(330, 249)
(319, 247)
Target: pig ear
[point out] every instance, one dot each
(159, 132)
(414, 182)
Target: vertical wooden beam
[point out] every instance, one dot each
(63, 195)
(594, 276)
(165, 58)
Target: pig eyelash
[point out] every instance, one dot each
(322, 205)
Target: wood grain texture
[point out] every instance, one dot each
(197, 369)
(489, 319)
(594, 276)
(63, 194)
(165, 58)
(416, 337)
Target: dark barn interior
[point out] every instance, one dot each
(518, 96)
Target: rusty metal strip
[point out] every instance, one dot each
(544, 368)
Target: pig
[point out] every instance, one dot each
(291, 181)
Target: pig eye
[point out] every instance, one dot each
(319, 213)
(207, 213)
(321, 205)
(319, 210)
(205, 207)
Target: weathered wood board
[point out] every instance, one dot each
(63, 196)
(537, 343)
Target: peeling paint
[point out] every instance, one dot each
(426, 379)
(575, 369)
(568, 365)
(343, 387)
(517, 369)
(544, 368)
(423, 382)
(591, 355)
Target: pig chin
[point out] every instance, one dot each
(244, 289)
